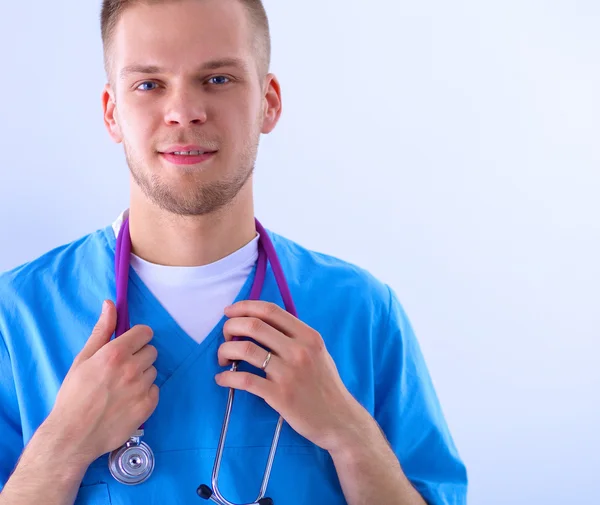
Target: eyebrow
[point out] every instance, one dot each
(209, 65)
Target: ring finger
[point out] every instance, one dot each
(250, 353)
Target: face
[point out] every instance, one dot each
(185, 77)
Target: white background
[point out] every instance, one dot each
(451, 148)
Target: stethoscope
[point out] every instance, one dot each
(133, 462)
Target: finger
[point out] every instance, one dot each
(148, 377)
(153, 396)
(258, 330)
(102, 332)
(154, 393)
(145, 357)
(270, 313)
(250, 353)
(135, 339)
(149, 406)
(249, 382)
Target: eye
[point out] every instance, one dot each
(220, 80)
(147, 86)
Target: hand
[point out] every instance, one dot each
(109, 392)
(302, 382)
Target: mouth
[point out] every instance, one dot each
(187, 157)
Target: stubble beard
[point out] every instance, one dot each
(206, 197)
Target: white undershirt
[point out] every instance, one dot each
(196, 296)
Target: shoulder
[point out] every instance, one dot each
(304, 263)
(331, 280)
(51, 270)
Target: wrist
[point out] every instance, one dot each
(62, 445)
(359, 436)
(47, 471)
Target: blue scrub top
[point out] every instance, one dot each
(49, 306)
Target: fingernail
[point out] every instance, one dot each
(104, 307)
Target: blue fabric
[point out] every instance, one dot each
(48, 308)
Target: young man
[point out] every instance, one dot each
(189, 94)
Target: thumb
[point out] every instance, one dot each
(102, 332)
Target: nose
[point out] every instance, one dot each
(185, 108)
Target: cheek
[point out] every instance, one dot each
(137, 125)
(246, 128)
(242, 114)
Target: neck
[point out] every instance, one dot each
(163, 238)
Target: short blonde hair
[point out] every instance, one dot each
(113, 9)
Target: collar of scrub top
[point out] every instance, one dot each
(266, 251)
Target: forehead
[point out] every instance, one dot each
(181, 34)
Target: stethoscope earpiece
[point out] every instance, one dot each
(206, 493)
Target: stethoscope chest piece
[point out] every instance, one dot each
(132, 463)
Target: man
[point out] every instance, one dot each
(188, 96)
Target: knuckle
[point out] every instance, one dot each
(153, 372)
(270, 308)
(77, 361)
(315, 341)
(98, 328)
(226, 353)
(302, 357)
(247, 380)
(113, 356)
(129, 373)
(254, 325)
(155, 396)
(153, 352)
(144, 332)
(249, 349)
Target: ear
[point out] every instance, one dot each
(272, 104)
(110, 114)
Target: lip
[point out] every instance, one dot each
(178, 159)
(182, 159)
(179, 148)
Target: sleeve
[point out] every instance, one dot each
(409, 413)
(11, 439)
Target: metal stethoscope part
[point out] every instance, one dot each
(133, 462)
(214, 494)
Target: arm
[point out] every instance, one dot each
(409, 413)
(48, 471)
(302, 384)
(108, 392)
(405, 456)
(45, 472)
(369, 471)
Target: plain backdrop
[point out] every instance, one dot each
(451, 148)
